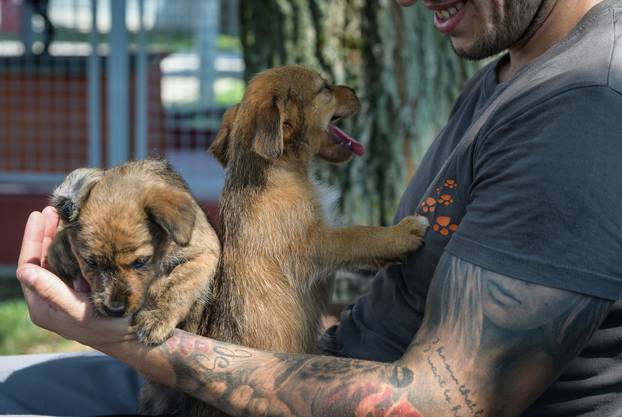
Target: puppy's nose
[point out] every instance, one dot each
(351, 90)
(115, 309)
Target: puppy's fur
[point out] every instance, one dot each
(141, 242)
(279, 253)
(144, 247)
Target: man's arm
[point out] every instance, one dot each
(489, 345)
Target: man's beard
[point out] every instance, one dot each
(521, 19)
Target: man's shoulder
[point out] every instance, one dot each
(591, 55)
(615, 70)
(588, 59)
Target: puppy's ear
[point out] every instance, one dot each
(69, 197)
(220, 145)
(268, 140)
(172, 210)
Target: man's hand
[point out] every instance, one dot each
(51, 303)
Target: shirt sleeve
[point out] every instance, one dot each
(545, 204)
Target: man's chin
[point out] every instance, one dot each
(473, 52)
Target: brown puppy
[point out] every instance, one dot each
(279, 253)
(141, 242)
(144, 247)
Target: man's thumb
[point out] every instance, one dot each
(45, 286)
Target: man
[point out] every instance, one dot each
(518, 271)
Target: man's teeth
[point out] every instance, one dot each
(450, 12)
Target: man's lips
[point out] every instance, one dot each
(437, 6)
(342, 138)
(447, 15)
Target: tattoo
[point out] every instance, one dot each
(489, 345)
(295, 366)
(452, 376)
(401, 377)
(455, 393)
(367, 399)
(519, 332)
(322, 385)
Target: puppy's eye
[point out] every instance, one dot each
(140, 262)
(90, 262)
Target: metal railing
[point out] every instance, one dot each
(98, 82)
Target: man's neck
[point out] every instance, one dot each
(557, 19)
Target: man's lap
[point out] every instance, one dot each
(76, 384)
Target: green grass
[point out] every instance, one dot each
(157, 41)
(229, 43)
(18, 335)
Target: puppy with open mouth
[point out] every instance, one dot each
(279, 253)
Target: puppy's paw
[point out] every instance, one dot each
(412, 229)
(152, 327)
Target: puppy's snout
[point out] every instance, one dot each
(117, 303)
(351, 90)
(348, 102)
(115, 308)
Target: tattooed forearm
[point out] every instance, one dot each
(489, 345)
(248, 382)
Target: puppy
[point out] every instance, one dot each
(134, 238)
(140, 241)
(279, 254)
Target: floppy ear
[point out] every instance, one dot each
(220, 145)
(268, 140)
(172, 210)
(69, 197)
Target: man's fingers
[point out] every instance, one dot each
(51, 225)
(32, 240)
(52, 304)
(41, 285)
(56, 307)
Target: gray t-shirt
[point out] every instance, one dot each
(525, 180)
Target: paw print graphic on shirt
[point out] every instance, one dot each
(431, 205)
(428, 206)
(445, 199)
(444, 226)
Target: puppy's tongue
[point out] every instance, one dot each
(342, 138)
(80, 285)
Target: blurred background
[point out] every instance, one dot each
(100, 82)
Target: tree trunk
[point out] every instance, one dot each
(405, 73)
(320, 34)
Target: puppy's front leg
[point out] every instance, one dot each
(371, 245)
(172, 298)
